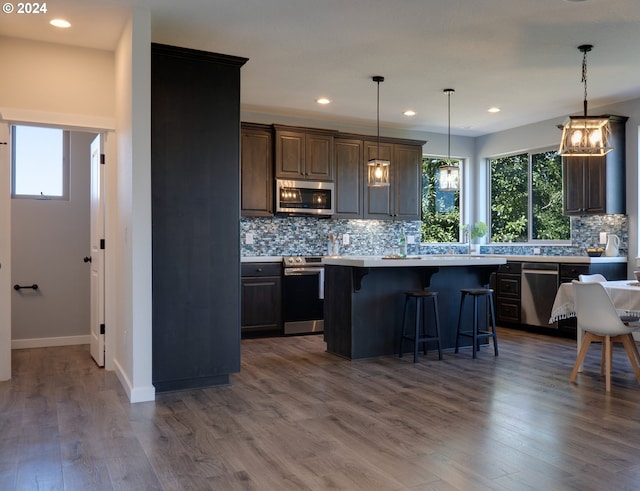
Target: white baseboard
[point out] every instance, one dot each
(135, 394)
(49, 342)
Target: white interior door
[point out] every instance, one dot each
(96, 259)
(5, 252)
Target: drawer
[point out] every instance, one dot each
(508, 286)
(261, 269)
(510, 268)
(573, 270)
(508, 311)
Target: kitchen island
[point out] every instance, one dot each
(364, 298)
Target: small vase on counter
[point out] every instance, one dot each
(333, 249)
(402, 244)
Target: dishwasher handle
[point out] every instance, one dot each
(540, 267)
(539, 271)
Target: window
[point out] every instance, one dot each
(440, 209)
(526, 198)
(39, 160)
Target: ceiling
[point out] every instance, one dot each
(518, 55)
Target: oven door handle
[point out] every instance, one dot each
(302, 271)
(309, 272)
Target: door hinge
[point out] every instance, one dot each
(102, 158)
(101, 328)
(101, 243)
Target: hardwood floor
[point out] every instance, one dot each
(297, 418)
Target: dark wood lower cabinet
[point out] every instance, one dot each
(507, 292)
(508, 283)
(261, 287)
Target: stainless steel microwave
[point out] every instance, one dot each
(304, 197)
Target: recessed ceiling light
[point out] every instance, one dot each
(323, 100)
(494, 109)
(64, 24)
(409, 112)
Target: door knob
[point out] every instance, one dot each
(87, 259)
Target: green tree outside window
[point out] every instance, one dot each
(440, 209)
(526, 198)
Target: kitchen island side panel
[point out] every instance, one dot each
(364, 306)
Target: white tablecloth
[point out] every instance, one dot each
(624, 293)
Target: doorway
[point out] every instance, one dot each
(50, 242)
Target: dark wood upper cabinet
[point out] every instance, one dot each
(401, 200)
(195, 205)
(256, 170)
(348, 178)
(596, 185)
(407, 160)
(303, 154)
(378, 200)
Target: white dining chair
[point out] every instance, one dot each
(598, 318)
(592, 278)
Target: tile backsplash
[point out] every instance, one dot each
(308, 236)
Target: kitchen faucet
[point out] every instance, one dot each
(466, 237)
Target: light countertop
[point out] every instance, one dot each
(564, 259)
(413, 261)
(261, 259)
(446, 259)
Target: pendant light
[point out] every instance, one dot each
(378, 169)
(584, 135)
(449, 175)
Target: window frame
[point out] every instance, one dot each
(530, 240)
(66, 136)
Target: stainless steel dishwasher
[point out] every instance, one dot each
(539, 287)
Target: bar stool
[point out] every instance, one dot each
(475, 333)
(420, 296)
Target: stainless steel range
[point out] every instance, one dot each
(303, 295)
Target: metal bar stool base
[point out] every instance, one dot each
(420, 297)
(476, 333)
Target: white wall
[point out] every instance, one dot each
(5, 254)
(49, 240)
(131, 226)
(53, 84)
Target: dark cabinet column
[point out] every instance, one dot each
(195, 180)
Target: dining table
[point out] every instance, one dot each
(625, 295)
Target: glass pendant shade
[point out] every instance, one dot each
(378, 169)
(586, 136)
(378, 173)
(449, 178)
